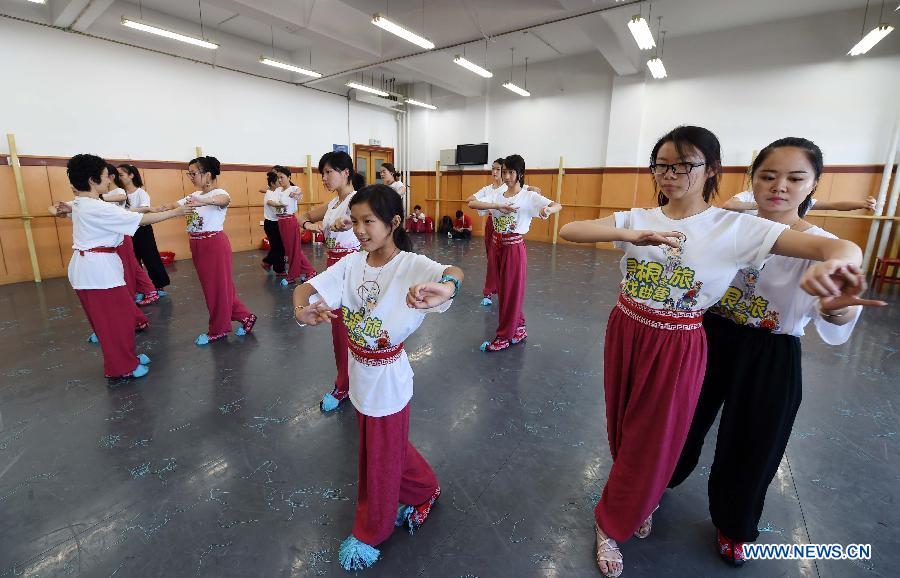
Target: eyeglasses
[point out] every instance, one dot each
(661, 169)
(192, 174)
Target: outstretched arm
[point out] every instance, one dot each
(605, 230)
(869, 203)
(306, 314)
(430, 295)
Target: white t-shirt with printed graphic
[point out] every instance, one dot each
(693, 277)
(206, 218)
(138, 198)
(380, 390)
(528, 203)
(270, 213)
(486, 195)
(747, 197)
(97, 223)
(345, 240)
(770, 298)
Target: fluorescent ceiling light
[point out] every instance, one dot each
(291, 67)
(38, 1)
(641, 32)
(657, 68)
(394, 28)
(460, 60)
(871, 39)
(167, 33)
(422, 104)
(517, 89)
(365, 88)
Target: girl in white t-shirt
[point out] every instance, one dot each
(512, 210)
(289, 194)
(382, 295)
(679, 260)
(135, 277)
(96, 272)
(145, 249)
(753, 368)
(211, 252)
(485, 194)
(391, 177)
(273, 262)
(338, 177)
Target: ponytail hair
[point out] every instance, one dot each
(209, 165)
(391, 169)
(114, 175)
(386, 204)
(133, 173)
(358, 181)
(284, 171)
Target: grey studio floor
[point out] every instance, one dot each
(219, 463)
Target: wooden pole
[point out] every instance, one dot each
(559, 181)
(23, 205)
(437, 194)
(309, 180)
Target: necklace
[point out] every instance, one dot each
(370, 291)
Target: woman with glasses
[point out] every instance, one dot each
(211, 251)
(679, 260)
(753, 369)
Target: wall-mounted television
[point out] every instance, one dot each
(472, 154)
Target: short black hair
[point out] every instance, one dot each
(459, 214)
(417, 207)
(516, 163)
(84, 169)
(271, 177)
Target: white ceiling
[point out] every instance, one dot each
(337, 36)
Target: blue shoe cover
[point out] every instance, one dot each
(355, 555)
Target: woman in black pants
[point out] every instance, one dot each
(273, 262)
(753, 369)
(144, 241)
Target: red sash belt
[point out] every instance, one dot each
(375, 357)
(660, 318)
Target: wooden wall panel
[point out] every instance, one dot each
(43, 229)
(609, 189)
(618, 190)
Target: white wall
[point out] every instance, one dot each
(568, 110)
(749, 85)
(66, 93)
(755, 84)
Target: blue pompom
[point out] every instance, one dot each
(355, 555)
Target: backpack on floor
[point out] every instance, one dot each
(446, 225)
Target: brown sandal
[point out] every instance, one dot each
(646, 527)
(606, 546)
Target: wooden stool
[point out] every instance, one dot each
(880, 274)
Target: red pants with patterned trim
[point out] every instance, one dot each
(109, 311)
(212, 259)
(391, 472)
(512, 261)
(492, 270)
(652, 379)
(341, 341)
(298, 264)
